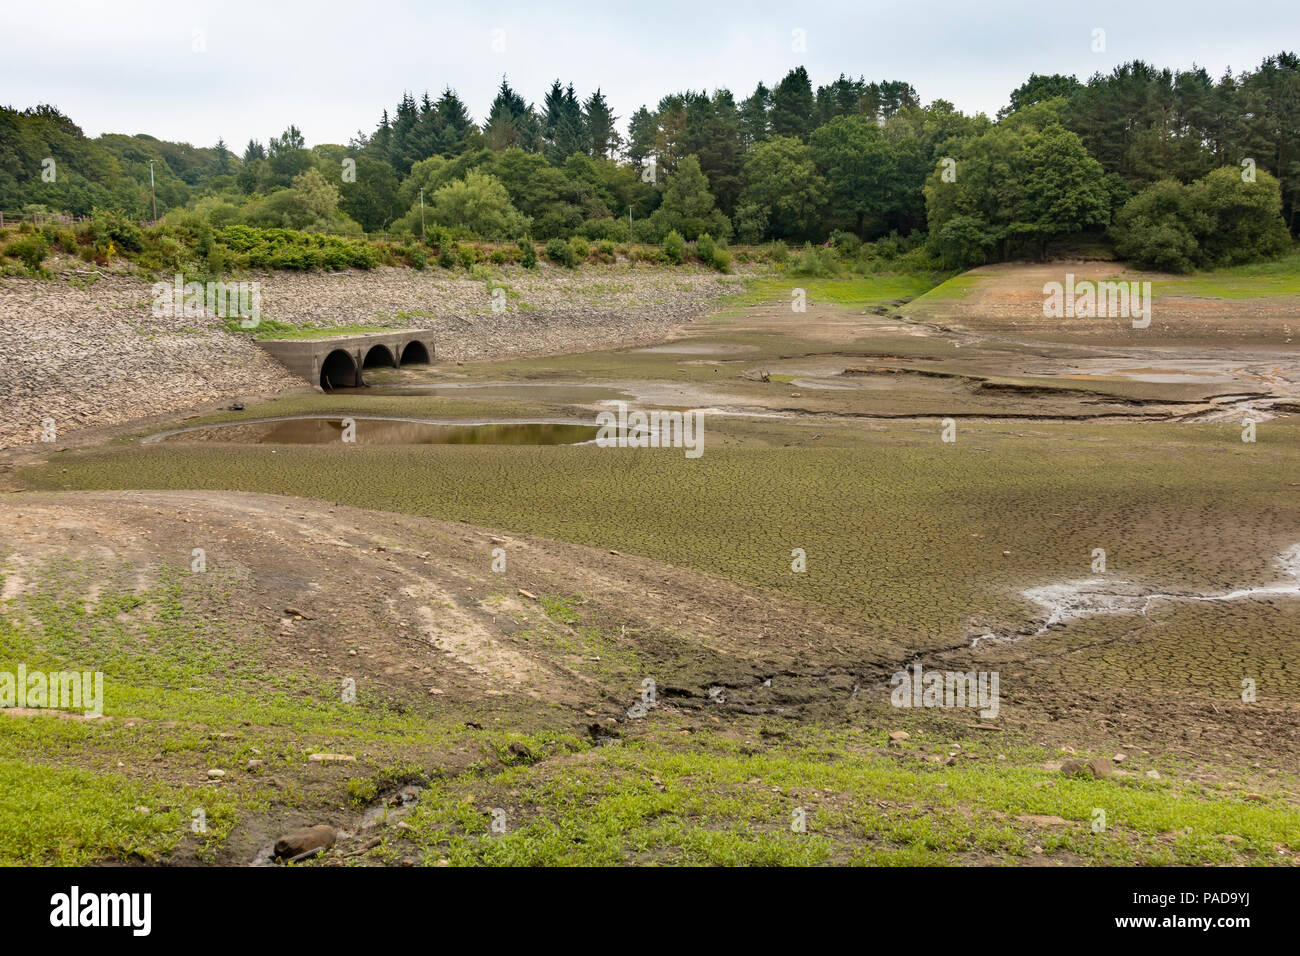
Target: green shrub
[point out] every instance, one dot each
(167, 255)
(500, 256)
(110, 226)
(581, 248)
(561, 253)
(31, 250)
(721, 260)
(815, 262)
(527, 254)
(704, 248)
(846, 244)
(675, 247)
(605, 249)
(610, 228)
(447, 255)
(468, 255)
(292, 249)
(776, 252)
(1219, 220)
(419, 258)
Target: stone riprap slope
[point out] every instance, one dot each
(549, 310)
(96, 355)
(87, 353)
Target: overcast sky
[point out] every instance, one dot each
(195, 71)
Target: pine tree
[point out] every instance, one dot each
(793, 105)
(598, 120)
(641, 132)
(754, 126)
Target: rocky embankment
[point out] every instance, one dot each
(85, 350)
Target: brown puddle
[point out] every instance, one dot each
(383, 431)
(545, 394)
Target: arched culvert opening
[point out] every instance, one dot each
(379, 355)
(415, 353)
(338, 369)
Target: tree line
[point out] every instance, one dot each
(1163, 162)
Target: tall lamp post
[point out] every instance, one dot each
(152, 193)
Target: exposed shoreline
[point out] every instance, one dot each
(91, 353)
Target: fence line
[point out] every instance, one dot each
(42, 218)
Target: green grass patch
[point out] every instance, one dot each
(1254, 280)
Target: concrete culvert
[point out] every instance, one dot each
(415, 354)
(379, 355)
(338, 369)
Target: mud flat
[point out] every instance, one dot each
(639, 657)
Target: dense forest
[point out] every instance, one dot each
(1177, 169)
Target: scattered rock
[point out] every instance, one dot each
(331, 758)
(303, 840)
(1101, 767)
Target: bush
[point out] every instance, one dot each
(819, 263)
(527, 254)
(167, 255)
(846, 244)
(605, 249)
(609, 227)
(109, 226)
(776, 252)
(419, 258)
(447, 255)
(721, 260)
(292, 249)
(704, 248)
(468, 255)
(1219, 220)
(675, 247)
(31, 249)
(561, 253)
(581, 247)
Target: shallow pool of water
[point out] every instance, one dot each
(324, 430)
(542, 393)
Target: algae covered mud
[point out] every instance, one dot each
(477, 634)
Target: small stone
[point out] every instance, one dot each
(898, 736)
(1101, 767)
(305, 840)
(216, 774)
(331, 758)
(255, 765)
